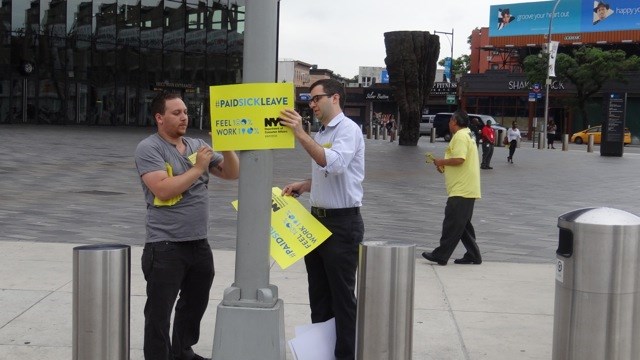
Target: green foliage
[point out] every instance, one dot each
(461, 65)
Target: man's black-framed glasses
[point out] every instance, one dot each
(315, 98)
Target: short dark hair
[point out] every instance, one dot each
(461, 118)
(331, 86)
(158, 103)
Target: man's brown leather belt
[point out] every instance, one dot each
(326, 213)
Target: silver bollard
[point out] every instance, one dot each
(565, 142)
(376, 132)
(384, 133)
(541, 141)
(101, 302)
(500, 138)
(386, 277)
(433, 136)
(590, 143)
(597, 296)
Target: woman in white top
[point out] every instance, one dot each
(513, 135)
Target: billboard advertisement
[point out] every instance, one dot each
(572, 16)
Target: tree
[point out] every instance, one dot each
(411, 64)
(587, 68)
(461, 66)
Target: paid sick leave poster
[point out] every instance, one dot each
(294, 231)
(245, 116)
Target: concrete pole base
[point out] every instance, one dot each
(249, 333)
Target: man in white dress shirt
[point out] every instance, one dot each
(337, 153)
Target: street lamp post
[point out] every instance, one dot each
(450, 42)
(548, 80)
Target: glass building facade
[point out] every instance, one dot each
(101, 62)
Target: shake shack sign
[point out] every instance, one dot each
(378, 95)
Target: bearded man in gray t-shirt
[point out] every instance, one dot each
(177, 259)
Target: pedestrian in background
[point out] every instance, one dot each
(462, 178)
(513, 136)
(337, 172)
(551, 133)
(177, 259)
(488, 139)
(476, 127)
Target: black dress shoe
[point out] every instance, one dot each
(429, 256)
(198, 357)
(489, 167)
(467, 261)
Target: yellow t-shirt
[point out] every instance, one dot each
(463, 180)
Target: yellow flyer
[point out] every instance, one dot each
(294, 231)
(245, 116)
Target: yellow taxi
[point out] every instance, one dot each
(583, 136)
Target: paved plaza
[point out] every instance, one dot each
(62, 186)
(79, 185)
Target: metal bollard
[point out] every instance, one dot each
(590, 143)
(376, 131)
(565, 142)
(597, 296)
(101, 302)
(433, 136)
(386, 277)
(500, 138)
(384, 133)
(541, 141)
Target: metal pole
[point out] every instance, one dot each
(101, 302)
(250, 318)
(565, 142)
(548, 81)
(451, 43)
(25, 100)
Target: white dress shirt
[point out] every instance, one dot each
(339, 184)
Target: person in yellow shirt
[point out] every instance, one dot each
(461, 168)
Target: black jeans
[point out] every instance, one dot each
(512, 148)
(171, 268)
(487, 153)
(456, 226)
(331, 272)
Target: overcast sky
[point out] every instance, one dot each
(341, 35)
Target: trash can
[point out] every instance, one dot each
(597, 300)
(386, 277)
(101, 302)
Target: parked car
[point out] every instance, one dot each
(426, 125)
(494, 124)
(583, 136)
(441, 124)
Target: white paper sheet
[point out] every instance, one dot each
(314, 341)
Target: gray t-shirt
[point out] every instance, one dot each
(188, 218)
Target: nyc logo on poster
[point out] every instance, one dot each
(245, 116)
